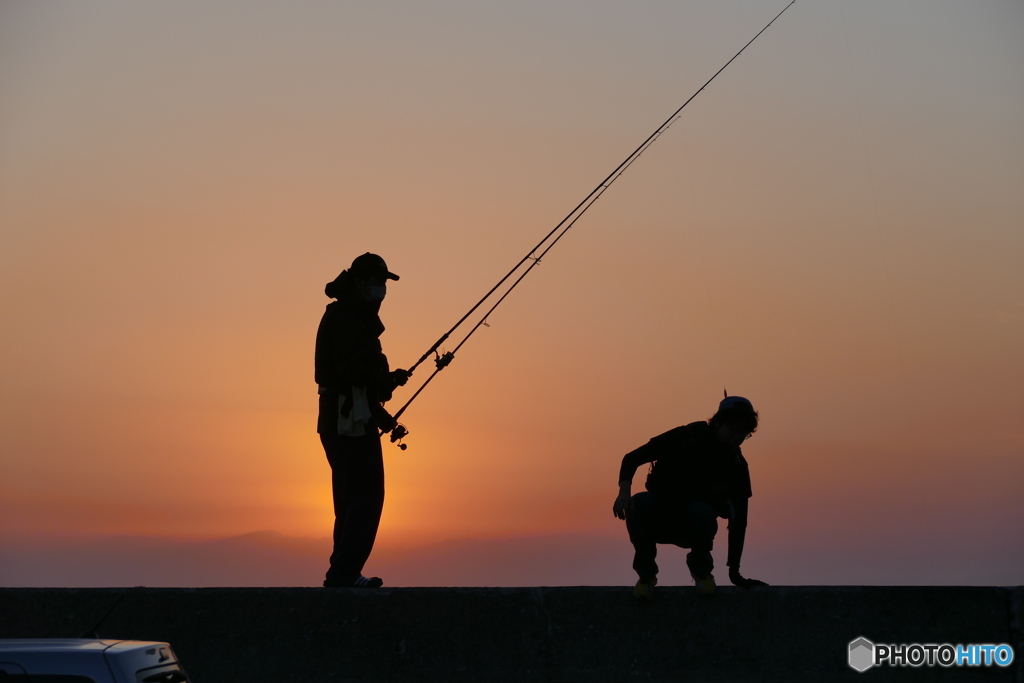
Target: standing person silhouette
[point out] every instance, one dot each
(354, 381)
(699, 474)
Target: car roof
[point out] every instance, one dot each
(55, 644)
(40, 645)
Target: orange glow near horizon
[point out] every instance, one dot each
(827, 231)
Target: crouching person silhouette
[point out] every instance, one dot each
(354, 381)
(699, 474)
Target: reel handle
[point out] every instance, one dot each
(399, 433)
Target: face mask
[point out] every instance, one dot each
(374, 293)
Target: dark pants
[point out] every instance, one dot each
(357, 481)
(691, 525)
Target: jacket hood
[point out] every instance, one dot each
(343, 288)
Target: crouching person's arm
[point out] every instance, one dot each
(737, 534)
(630, 462)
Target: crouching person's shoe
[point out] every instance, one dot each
(644, 588)
(705, 585)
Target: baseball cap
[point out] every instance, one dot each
(371, 266)
(730, 402)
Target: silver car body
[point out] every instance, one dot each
(102, 660)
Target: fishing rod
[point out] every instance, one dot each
(441, 361)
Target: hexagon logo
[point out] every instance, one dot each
(862, 654)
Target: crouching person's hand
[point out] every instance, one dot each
(745, 583)
(621, 504)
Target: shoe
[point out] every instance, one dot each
(705, 585)
(371, 582)
(360, 582)
(644, 588)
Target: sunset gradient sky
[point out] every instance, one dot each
(834, 229)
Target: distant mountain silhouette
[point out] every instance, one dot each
(267, 558)
(262, 558)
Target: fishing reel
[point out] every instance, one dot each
(442, 360)
(399, 433)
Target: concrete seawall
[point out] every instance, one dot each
(587, 634)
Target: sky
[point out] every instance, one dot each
(834, 229)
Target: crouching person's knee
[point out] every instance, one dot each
(702, 521)
(640, 514)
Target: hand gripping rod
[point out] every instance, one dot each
(563, 226)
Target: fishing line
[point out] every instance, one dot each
(442, 361)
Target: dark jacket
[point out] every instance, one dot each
(348, 353)
(690, 464)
